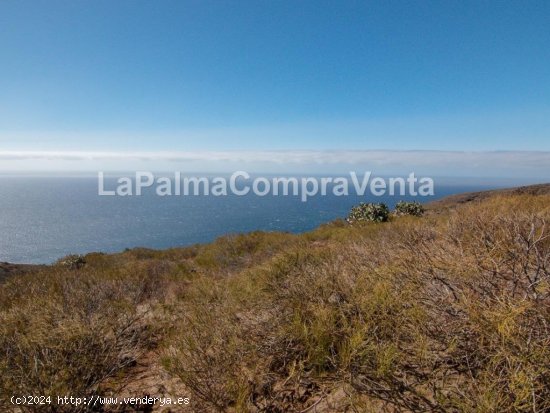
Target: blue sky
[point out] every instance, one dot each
(154, 76)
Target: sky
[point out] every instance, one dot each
(456, 87)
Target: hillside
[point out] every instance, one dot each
(453, 201)
(7, 269)
(449, 312)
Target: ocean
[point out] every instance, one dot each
(45, 218)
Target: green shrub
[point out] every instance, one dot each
(369, 212)
(73, 262)
(409, 208)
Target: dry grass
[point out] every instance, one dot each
(68, 332)
(444, 313)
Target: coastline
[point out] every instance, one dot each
(432, 207)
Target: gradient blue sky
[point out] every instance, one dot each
(149, 76)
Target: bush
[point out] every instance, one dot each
(369, 212)
(409, 208)
(73, 262)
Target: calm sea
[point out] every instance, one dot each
(45, 218)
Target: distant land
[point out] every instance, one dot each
(463, 198)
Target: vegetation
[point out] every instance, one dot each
(446, 313)
(369, 212)
(409, 208)
(73, 262)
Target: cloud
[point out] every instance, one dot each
(460, 163)
(380, 157)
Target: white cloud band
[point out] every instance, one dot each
(381, 157)
(455, 163)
